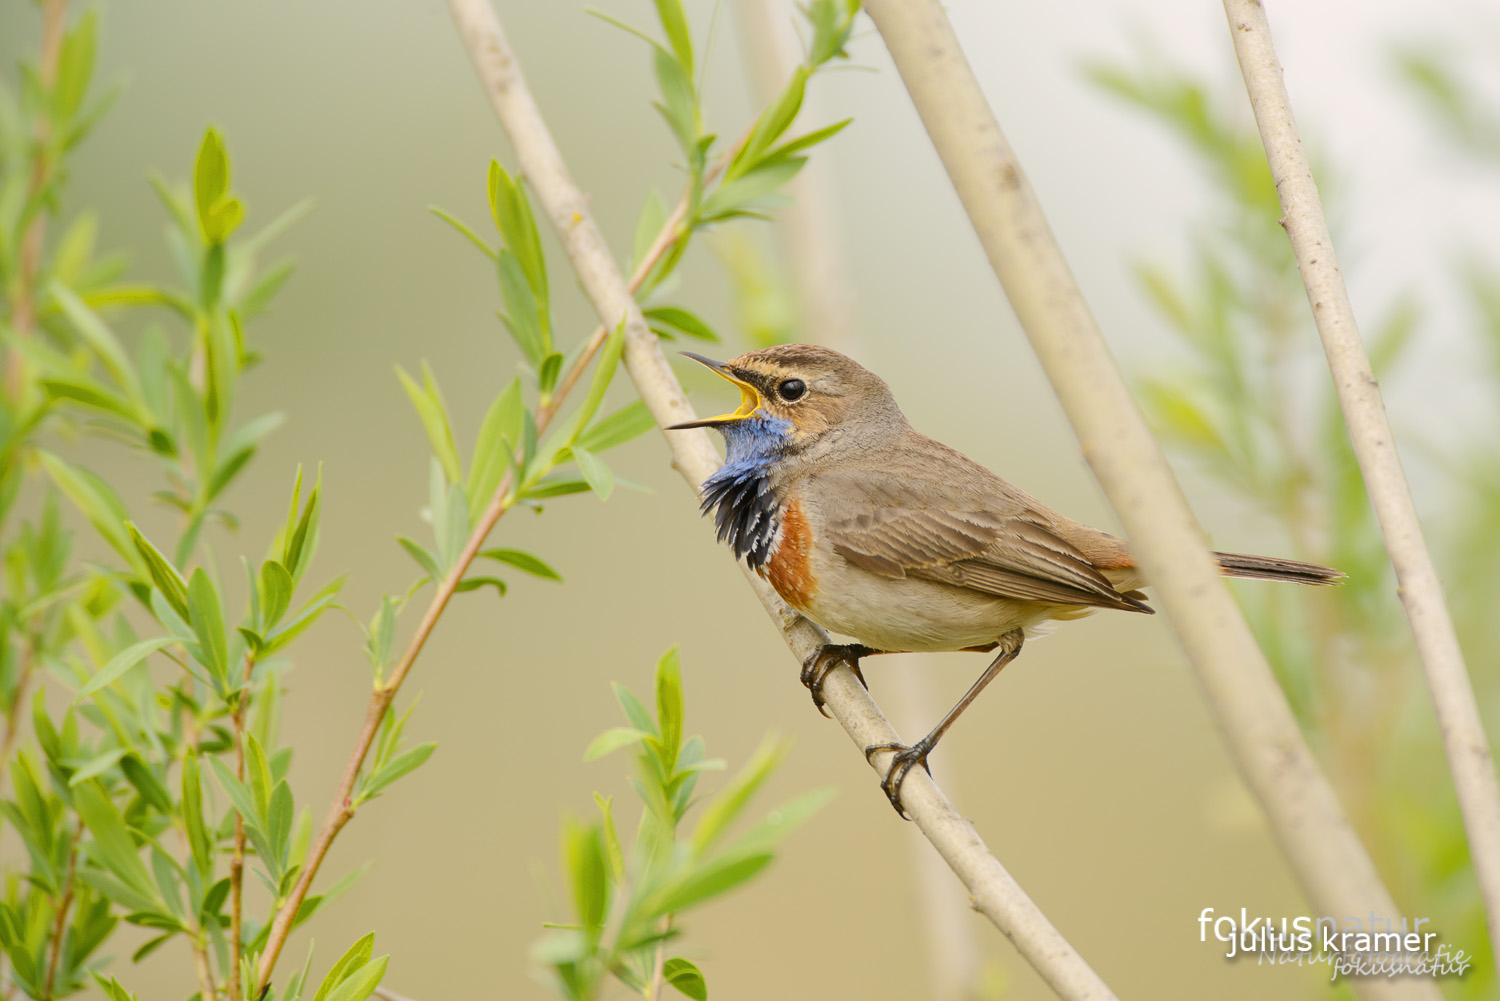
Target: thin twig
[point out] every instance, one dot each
(659, 966)
(995, 893)
(1469, 757)
(204, 968)
(1250, 707)
(341, 810)
(60, 926)
(237, 859)
(13, 711)
(23, 308)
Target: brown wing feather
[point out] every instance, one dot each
(997, 545)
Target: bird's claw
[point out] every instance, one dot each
(820, 662)
(905, 757)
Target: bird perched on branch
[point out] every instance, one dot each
(876, 531)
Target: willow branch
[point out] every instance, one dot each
(1252, 712)
(341, 810)
(1421, 591)
(237, 859)
(23, 307)
(996, 894)
(60, 926)
(821, 277)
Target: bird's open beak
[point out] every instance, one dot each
(749, 397)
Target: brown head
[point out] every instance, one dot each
(810, 399)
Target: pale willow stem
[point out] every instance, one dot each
(996, 894)
(819, 266)
(1421, 592)
(1251, 709)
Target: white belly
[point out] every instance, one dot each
(913, 615)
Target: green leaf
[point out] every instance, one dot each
(583, 857)
(428, 402)
(98, 765)
(100, 339)
(648, 227)
(709, 880)
(521, 561)
(207, 620)
(356, 957)
(236, 790)
(112, 847)
(635, 712)
(219, 212)
(735, 195)
(96, 500)
(258, 775)
(547, 376)
(626, 424)
(612, 740)
(166, 578)
(599, 478)
(143, 778)
(122, 662)
(305, 617)
(780, 822)
(806, 142)
(556, 486)
(674, 23)
(511, 210)
(679, 101)
(475, 583)
(75, 67)
(612, 849)
(199, 840)
(773, 122)
(296, 547)
(669, 705)
(362, 982)
(686, 977)
(112, 989)
(401, 765)
(259, 297)
(279, 825)
(275, 593)
(424, 559)
(680, 319)
(499, 436)
(523, 312)
(727, 805)
(453, 221)
(91, 394)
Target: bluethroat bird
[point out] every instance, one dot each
(875, 531)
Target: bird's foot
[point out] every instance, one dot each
(905, 757)
(827, 657)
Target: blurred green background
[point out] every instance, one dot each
(1092, 768)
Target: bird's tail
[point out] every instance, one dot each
(1275, 568)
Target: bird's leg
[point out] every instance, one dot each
(827, 657)
(916, 754)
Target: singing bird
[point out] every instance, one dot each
(876, 531)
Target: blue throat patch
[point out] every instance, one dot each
(746, 510)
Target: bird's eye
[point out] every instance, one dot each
(791, 390)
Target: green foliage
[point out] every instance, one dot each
(120, 769)
(626, 903)
(149, 794)
(1247, 398)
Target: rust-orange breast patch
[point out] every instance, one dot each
(790, 567)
